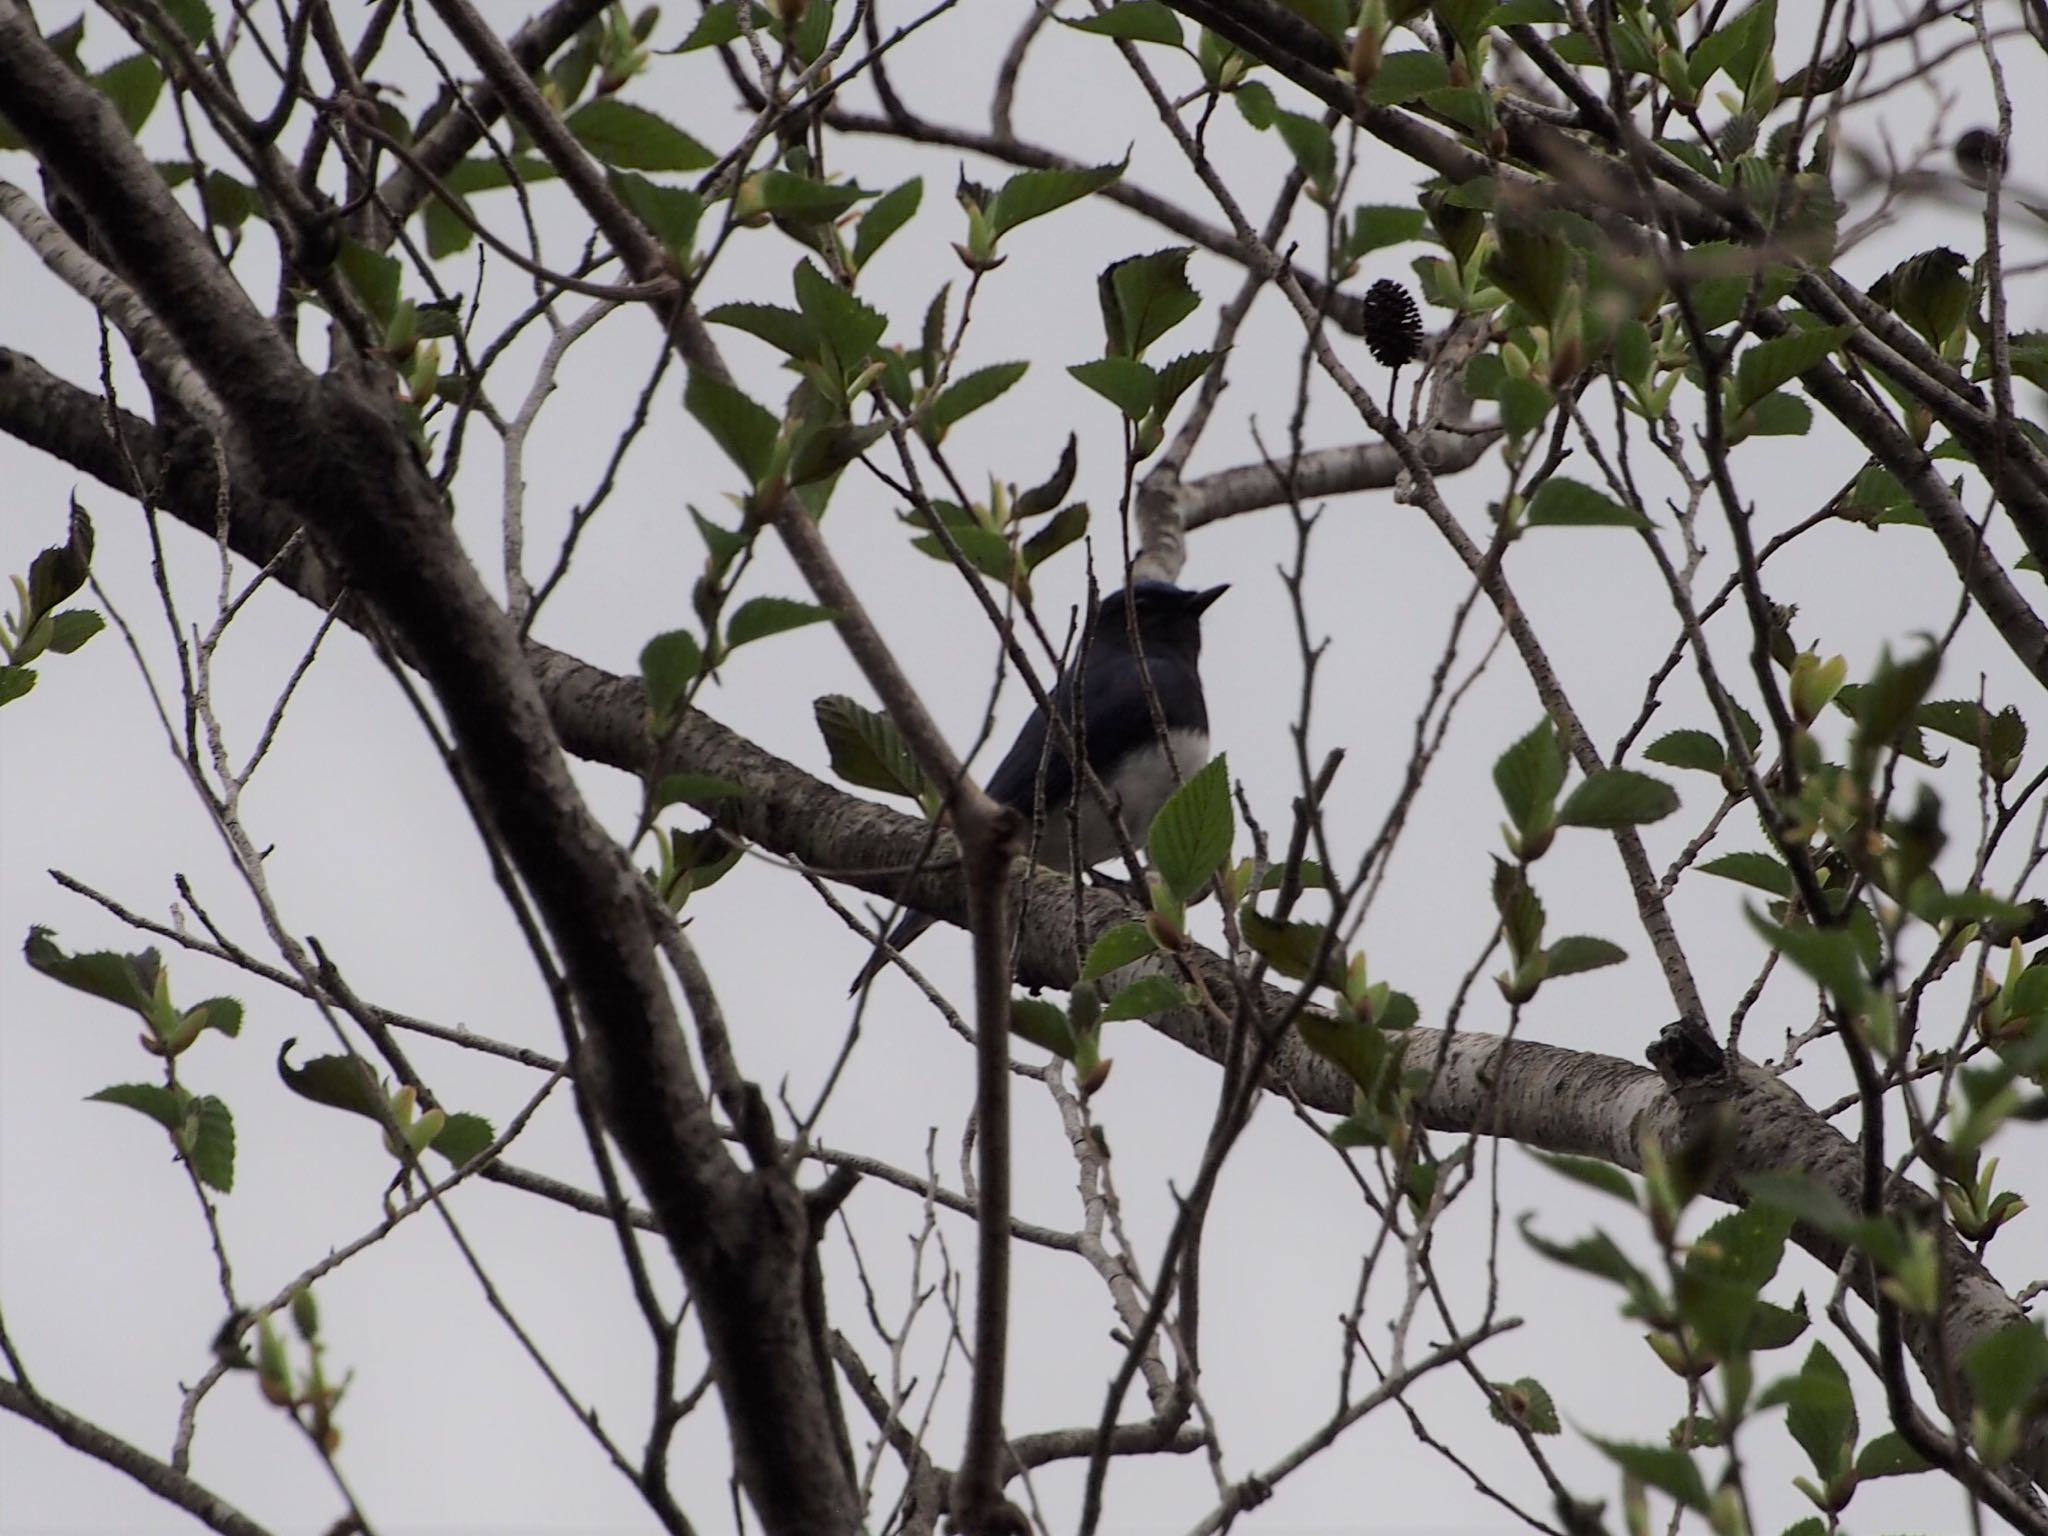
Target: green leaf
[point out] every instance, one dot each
(1769, 364)
(1144, 297)
(1292, 947)
(1821, 1412)
(1043, 1025)
(59, 571)
(971, 392)
(133, 85)
(1562, 502)
(1525, 1402)
(1529, 775)
(786, 330)
(1776, 415)
(15, 682)
(1056, 535)
(1524, 403)
(1311, 877)
(1329, 17)
(1135, 21)
(889, 213)
(1118, 947)
(465, 1136)
(848, 327)
(339, 1082)
(1176, 378)
(704, 791)
(1193, 831)
(208, 1141)
(866, 748)
(374, 276)
(166, 1106)
(635, 139)
(128, 980)
(1594, 1254)
(1831, 956)
(1308, 140)
(1143, 998)
(1888, 1455)
(1255, 104)
(1735, 46)
(1758, 870)
(1663, 1467)
(1594, 1174)
(1032, 194)
(760, 617)
(672, 213)
(1375, 226)
(669, 663)
(801, 199)
(1579, 952)
(745, 431)
(1041, 499)
(1618, 797)
(1406, 75)
(2007, 1369)
(1701, 750)
(1124, 382)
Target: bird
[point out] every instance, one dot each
(1119, 732)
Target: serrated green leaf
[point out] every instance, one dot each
(635, 139)
(1525, 1402)
(166, 1106)
(1375, 226)
(1758, 870)
(127, 980)
(15, 682)
(1618, 797)
(208, 1142)
(1070, 524)
(1308, 139)
(1044, 1025)
(802, 199)
(2007, 1369)
(866, 748)
(669, 663)
(1407, 75)
(1735, 46)
(1594, 1174)
(848, 328)
(339, 1082)
(1292, 947)
(1032, 194)
(1579, 952)
(1135, 21)
(1116, 948)
(133, 85)
(1124, 382)
(971, 392)
(374, 275)
(1830, 956)
(463, 1137)
(1529, 774)
(1524, 405)
(1176, 378)
(1888, 1455)
(1255, 104)
(760, 617)
(1562, 502)
(1771, 364)
(783, 329)
(1144, 297)
(1776, 415)
(744, 430)
(1143, 998)
(889, 213)
(672, 213)
(1041, 499)
(1700, 750)
(1820, 1412)
(1193, 831)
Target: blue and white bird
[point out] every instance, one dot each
(1118, 730)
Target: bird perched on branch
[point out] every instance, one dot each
(1141, 669)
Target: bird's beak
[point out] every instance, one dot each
(1204, 599)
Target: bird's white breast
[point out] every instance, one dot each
(1142, 783)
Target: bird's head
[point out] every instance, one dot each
(1169, 617)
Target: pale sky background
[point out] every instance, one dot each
(105, 1278)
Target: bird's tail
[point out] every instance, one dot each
(900, 937)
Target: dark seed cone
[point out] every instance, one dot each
(1393, 328)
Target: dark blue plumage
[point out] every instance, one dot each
(1118, 731)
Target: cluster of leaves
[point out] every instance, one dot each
(201, 1127)
(40, 623)
(305, 1391)
(1142, 298)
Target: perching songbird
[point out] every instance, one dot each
(1118, 733)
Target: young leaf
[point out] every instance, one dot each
(1117, 948)
(1661, 1466)
(1525, 1402)
(1406, 75)
(1579, 952)
(1618, 797)
(673, 213)
(1055, 536)
(760, 617)
(1135, 21)
(1041, 499)
(1594, 1174)
(1292, 947)
(1044, 1025)
(848, 328)
(704, 791)
(1143, 998)
(789, 332)
(891, 211)
(208, 1141)
(970, 393)
(129, 980)
(866, 748)
(1769, 364)
(635, 139)
(1144, 297)
(339, 1082)
(668, 665)
(1178, 377)
(745, 431)
(1032, 194)
(464, 1137)
(1759, 870)
(1701, 750)
(1124, 382)
(1193, 831)
(166, 1106)
(1529, 775)
(1562, 502)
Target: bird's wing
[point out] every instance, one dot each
(1015, 781)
